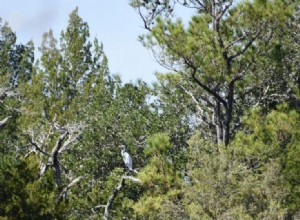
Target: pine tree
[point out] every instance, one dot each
(219, 51)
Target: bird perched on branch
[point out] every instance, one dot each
(127, 158)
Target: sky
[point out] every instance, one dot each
(113, 22)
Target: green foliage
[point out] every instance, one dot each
(158, 144)
(274, 137)
(72, 73)
(253, 178)
(222, 185)
(224, 54)
(16, 59)
(161, 182)
(15, 69)
(200, 150)
(23, 195)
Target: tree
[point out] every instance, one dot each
(161, 181)
(81, 115)
(223, 186)
(74, 72)
(273, 144)
(55, 102)
(120, 115)
(16, 59)
(15, 68)
(23, 195)
(200, 150)
(229, 58)
(219, 52)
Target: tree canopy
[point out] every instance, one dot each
(216, 137)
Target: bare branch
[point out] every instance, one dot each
(74, 131)
(40, 137)
(136, 180)
(112, 197)
(38, 148)
(146, 26)
(4, 92)
(29, 153)
(193, 98)
(59, 143)
(204, 117)
(9, 92)
(97, 207)
(114, 194)
(65, 190)
(4, 122)
(53, 160)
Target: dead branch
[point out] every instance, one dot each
(40, 138)
(4, 122)
(97, 207)
(59, 144)
(112, 197)
(11, 93)
(136, 180)
(29, 153)
(38, 148)
(4, 92)
(114, 194)
(63, 193)
(54, 161)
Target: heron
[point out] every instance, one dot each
(126, 158)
